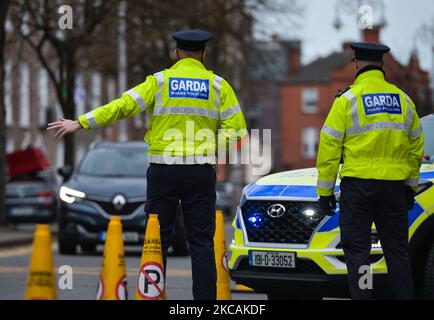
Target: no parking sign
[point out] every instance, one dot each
(121, 289)
(151, 282)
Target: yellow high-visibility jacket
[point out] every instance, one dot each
(186, 106)
(375, 128)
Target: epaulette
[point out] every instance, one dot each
(341, 92)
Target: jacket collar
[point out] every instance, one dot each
(369, 71)
(188, 62)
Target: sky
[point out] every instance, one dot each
(315, 29)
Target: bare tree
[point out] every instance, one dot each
(4, 5)
(60, 49)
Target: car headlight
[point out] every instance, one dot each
(69, 195)
(309, 212)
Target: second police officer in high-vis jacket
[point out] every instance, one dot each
(187, 104)
(373, 127)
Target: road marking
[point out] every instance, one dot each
(21, 251)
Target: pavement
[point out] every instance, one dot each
(21, 234)
(15, 235)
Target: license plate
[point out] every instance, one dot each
(126, 236)
(22, 211)
(272, 259)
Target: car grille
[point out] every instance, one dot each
(128, 208)
(303, 266)
(294, 227)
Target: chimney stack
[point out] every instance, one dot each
(372, 35)
(294, 57)
(414, 60)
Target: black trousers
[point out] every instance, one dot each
(194, 187)
(384, 203)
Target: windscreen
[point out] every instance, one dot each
(115, 162)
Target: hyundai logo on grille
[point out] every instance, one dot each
(119, 202)
(276, 210)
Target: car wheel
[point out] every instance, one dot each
(88, 248)
(281, 295)
(429, 274)
(66, 247)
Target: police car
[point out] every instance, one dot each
(285, 247)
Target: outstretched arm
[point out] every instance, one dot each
(132, 102)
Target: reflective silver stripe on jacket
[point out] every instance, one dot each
(137, 98)
(326, 184)
(198, 159)
(412, 182)
(230, 112)
(332, 132)
(415, 133)
(91, 120)
(410, 114)
(409, 120)
(376, 126)
(353, 112)
(159, 96)
(217, 86)
(194, 111)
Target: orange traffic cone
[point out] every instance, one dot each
(41, 281)
(221, 259)
(151, 282)
(112, 284)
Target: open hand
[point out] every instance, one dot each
(64, 126)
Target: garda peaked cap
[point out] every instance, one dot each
(368, 51)
(191, 39)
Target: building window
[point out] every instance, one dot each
(111, 89)
(43, 95)
(24, 96)
(60, 154)
(10, 144)
(8, 93)
(95, 90)
(309, 142)
(80, 96)
(310, 100)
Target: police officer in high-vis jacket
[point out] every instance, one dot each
(374, 129)
(187, 105)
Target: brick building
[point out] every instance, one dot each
(308, 93)
(270, 64)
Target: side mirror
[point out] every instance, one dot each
(65, 172)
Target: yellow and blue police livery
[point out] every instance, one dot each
(285, 247)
